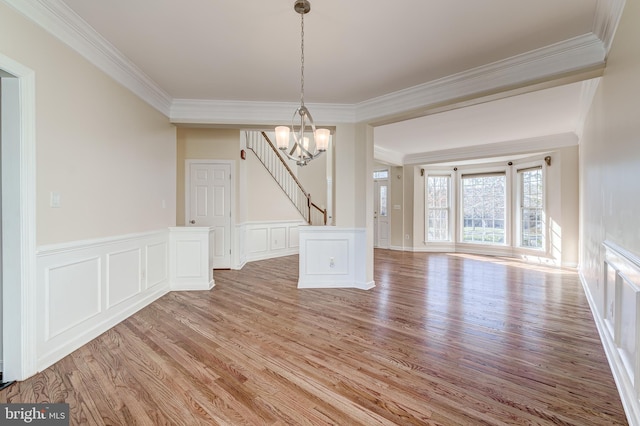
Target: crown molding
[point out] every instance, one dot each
(63, 23)
(570, 56)
(388, 156)
(578, 54)
(521, 146)
(194, 111)
(605, 23)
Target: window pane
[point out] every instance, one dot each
(438, 208)
(381, 174)
(383, 200)
(531, 209)
(483, 209)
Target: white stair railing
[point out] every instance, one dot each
(267, 153)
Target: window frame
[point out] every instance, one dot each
(518, 199)
(451, 206)
(496, 170)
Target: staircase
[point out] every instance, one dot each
(267, 153)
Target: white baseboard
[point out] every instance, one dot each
(87, 287)
(528, 256)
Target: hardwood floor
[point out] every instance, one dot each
(441, 340)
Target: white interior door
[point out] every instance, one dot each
(381, 214)
(209, 204)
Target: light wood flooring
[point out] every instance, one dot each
(441, 340)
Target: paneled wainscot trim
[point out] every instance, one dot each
(333, 257)
(618, 319)
(86, 287)
(191, 254)
(266, 240)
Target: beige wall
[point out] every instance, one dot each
(313, 178)
(354, 176)
(265, 200)
(258, 197)
(566, 209)
(610, 154)
(410, 179)
(109, 155)
(396, 183)
(202, 144)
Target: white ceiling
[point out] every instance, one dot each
(541, 113)
(355, 51)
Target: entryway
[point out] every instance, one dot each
(381, 209)
(208, 203)
(18, 219)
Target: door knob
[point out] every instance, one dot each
(192, 222)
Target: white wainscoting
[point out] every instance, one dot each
(333, 257)
(618, 320)
(266, 240)
(191, 253)
(240, 247)
(86, 287)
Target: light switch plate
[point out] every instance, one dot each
(54, 202)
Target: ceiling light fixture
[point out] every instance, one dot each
(301, 151)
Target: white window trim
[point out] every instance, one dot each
(517, 201)
(507, 170)
(452, 205)
(511, 245)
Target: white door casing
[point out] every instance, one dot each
(19, 220)
(208, 204)
(381, 213)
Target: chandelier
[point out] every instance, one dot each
(302, 150)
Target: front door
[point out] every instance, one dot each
(381, 213)
(209, 204)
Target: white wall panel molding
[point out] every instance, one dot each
(333, 257)
(156, 267)
(616, 310)
(87, 287)
(269, 239)
(124, 275)
(191, 254)
(240, 252)
(63, 23)
(75, 246)
(78, 280)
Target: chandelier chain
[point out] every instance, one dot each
(302, 60)
(304, 149)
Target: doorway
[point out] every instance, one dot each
(18, 189)
(208, 203)
(381, 209)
